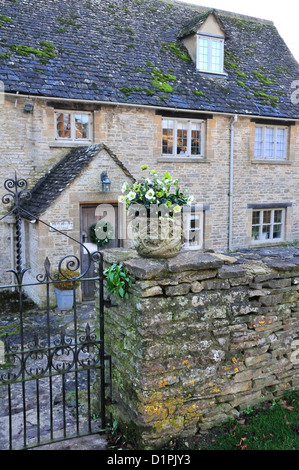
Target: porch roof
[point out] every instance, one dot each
(58, 178)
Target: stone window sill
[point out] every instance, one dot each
(59, 144)
(267, 243)
(271, 162)
(183, 160)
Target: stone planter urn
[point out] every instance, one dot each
(162, 238)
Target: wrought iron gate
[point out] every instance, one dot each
(54, 382)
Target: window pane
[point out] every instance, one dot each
(203, 51)
(167, 137)
(258, 143)
(182, 132)
(81, 126)
(194, 223)
(192, 237)
(256, 218)
(277, 217)
(255, 234)
(266, 232)
(267, 217)
(63, 125)
(269, 143)
(195, 139)
(280, 143)
(216, 56)
(277, 231)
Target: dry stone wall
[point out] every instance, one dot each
(202, 337)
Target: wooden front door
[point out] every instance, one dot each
(90, 214)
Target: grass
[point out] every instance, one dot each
(269, 426)
(276, 428)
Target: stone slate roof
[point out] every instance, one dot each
(48, 188)
(195, 23)
(119, 50)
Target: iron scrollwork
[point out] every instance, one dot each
(38, 361)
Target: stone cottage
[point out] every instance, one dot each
(96, 87)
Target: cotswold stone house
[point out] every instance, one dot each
(96, 86)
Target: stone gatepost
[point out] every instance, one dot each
(201, 337)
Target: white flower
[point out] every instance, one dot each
(177, 209)
(125, 187)
(150, 194)
(189, 200)
(148, 181)
(131, 195)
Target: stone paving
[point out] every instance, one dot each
(35, 321)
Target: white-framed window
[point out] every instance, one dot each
(193, 230)
(73, 126)
(182, 137)
(268, 225)
(210, 54)
(270, 142)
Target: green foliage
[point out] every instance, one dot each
(129, 30)
(101, 233)
(279, 69)
(230, 65)
(198, 93)
(172, 47)
(148, 63)
(5, 19)
(240, 73)
(160, 80)
(118, 280)
(231, 56)
(241, 23)
(162, 86)
(129, 90)
(294, 243)
(46, 52)
(262, 78)
(61, 29)
(68, 22)
(265, 98)
(155, 191)
(242, 84)
(5, 55)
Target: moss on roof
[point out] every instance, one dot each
(94, 50)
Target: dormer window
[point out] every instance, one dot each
(204, 40)
(210, 53)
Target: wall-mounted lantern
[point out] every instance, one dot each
(28, 108)
(106, 183)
